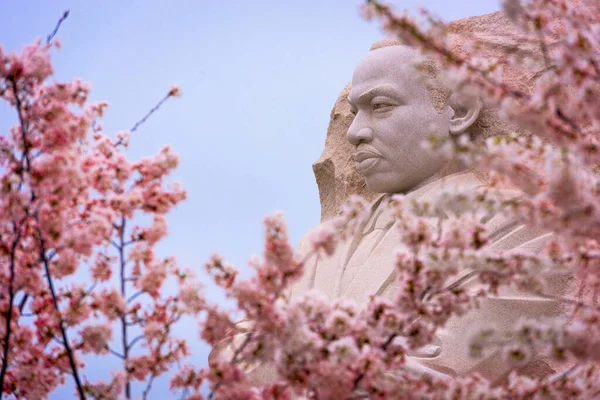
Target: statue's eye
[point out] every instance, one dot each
(382, 106)
(353, 110)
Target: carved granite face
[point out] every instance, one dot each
(394, 115)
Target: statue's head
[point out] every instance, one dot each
(337, 176)
(396, 110)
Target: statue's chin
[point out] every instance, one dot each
(384, 186)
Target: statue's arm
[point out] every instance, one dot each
(257, 374)
(449, 354)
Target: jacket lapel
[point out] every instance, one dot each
(378, 271)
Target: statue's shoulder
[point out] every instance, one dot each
(305, 243)
(507, 231)
(316, 233)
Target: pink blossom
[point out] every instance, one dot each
(325, 239)
(175, 91)
(101, 270)
(110, 303)
(96, 338)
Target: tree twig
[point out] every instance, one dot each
(134, 341)
(116, 353)
(57, 27)
(122, 263)
(152, 111)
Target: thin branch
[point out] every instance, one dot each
(135, 296)
(566, 373)
(123, 262)
(60, 320)
(567, 120)
(57, 27)
(137, 321)
(89, 291)
(116, 353)
(57, 340)
(25, 155)
(158, 349)
(152, 111)
(22, 303)
(148, 386)
(134, 341)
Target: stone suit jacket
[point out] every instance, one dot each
(364, 265)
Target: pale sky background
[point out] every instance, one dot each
(258, 78)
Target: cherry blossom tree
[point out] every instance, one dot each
(70, 198)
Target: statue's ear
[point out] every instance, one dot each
(466, 110)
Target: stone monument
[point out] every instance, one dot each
(373, 148)
(395, 113)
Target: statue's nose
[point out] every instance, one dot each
(359, 135)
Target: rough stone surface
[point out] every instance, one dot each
(335, 170)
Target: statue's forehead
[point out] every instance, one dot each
(391, 64)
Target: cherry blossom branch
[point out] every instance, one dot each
(148, 386)
(27, 167)
(116, 353)
(250, 335)
(23, 302)
(565, 374)
(163, 340)
(25, 154)
(134, 341)
(47, 109)
(135, 322)
(61, 324)
(173, 92)
(135, 296)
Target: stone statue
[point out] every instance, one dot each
(395, 113)
(392, 112)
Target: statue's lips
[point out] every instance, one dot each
(365, 160)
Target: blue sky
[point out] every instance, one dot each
(258, 79)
